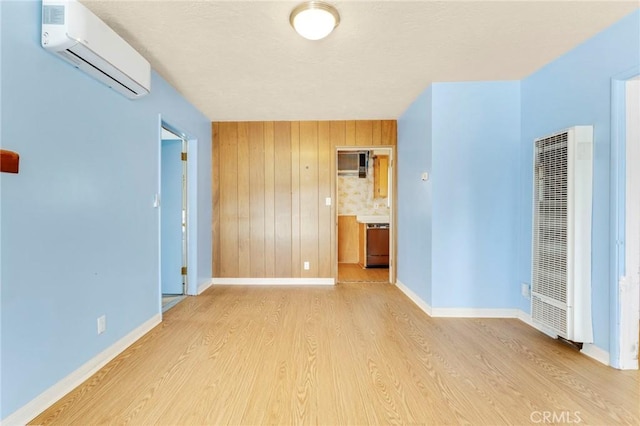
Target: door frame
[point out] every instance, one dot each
(392, 204)
(624, 315)
(184, 251)
(192, 205)
(630, 287)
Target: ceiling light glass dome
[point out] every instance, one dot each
(314, 20)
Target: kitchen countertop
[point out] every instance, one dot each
(372, 219)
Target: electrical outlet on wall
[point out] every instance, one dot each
(306, 266)
(102, 324)
(525, 290)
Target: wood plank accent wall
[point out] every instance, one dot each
(269, 182)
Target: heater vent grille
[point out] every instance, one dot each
(561, 253)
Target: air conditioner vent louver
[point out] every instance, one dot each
(77, 59)
(70, 56)
(561, 253)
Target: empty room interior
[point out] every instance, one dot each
(427, 212)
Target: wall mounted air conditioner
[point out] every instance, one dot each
(561, 252)
(75, 34)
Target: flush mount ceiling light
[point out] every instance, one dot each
(314, 20)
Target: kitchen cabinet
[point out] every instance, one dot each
(380, 176)
(348, 239)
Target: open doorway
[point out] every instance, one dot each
(173, 217)
(364, 191)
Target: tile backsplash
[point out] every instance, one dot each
(355, 196)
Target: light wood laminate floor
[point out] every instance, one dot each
(352, 355)
(354, 273)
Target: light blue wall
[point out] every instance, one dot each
(574, 90)
(79, 232)
(455, 231)
(414, 197)
(481, 189)
(476, 130)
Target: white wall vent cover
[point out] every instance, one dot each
(561, 252)
(75, 34)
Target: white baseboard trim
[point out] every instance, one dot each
(273, 281)
(456, 312)
(525, 318)
(588, 349)
(592, 351)
(202, 287)
(414, 298)
(73, 380)
(475, 313)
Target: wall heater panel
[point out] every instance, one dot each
(561, 261)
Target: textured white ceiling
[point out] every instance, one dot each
(241, 60)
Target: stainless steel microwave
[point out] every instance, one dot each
(353, 163)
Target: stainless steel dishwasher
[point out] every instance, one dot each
(377, 245)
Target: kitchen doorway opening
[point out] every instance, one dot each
(364, 214)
